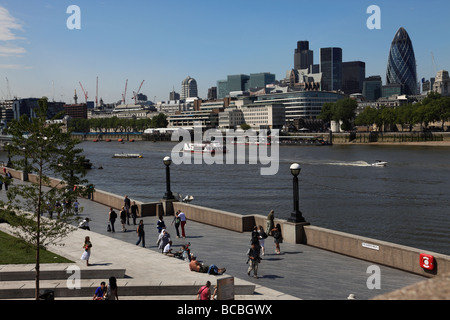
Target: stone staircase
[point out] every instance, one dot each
(18, 282)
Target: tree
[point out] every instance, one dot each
(159, 121)
(342, 110)
(368, 117)
(43, 149)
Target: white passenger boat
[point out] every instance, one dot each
(379, 163)
(127, 155)
(204, 147)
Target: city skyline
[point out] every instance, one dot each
(164, 43)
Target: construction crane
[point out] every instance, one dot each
(84, 92)
(124, 94)
(136, 93)
(434, 63)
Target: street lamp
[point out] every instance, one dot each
(296, 215)
(168, 161)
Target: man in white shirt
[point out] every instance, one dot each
(168, 249)
(182, 217)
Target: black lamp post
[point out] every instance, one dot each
(168, 161)
(296, 215)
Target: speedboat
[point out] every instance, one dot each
(379, 163)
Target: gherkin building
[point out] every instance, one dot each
(401, 67)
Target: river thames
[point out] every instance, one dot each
(407, 202)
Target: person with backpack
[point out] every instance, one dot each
(253, 260)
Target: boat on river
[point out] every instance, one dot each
(204, 147)
(379, 163)
(127, 155)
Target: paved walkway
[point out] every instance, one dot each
(300, 271)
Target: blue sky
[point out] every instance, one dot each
(162, 42)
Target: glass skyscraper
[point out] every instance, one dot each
(401, 67)
(331, 68)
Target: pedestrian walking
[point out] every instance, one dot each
(163, 240)
(134, 211)
(182, 223)
(123, 218)
(262, 237)
(126, 206)
(269, 222)
(277, 238)
(160, 225)
(253, 260)
(176, 221)
(255, 238)
(204, 293)
(112, 218)
(76, 204)
(141, 233)
(87, 250)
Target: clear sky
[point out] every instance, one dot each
(163, 42)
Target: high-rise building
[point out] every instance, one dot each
(243, 82)
(331, 68)
(353, 75)
(303, 57)
(212, 93)
(189, 88)
(260, 80)
(401, 66)
(237, 82)
(372, 88)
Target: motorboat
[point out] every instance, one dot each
(127, 155)
(204, 147)
(379, 163)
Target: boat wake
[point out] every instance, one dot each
(335, 163)
(349, 163)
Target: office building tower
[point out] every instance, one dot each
(353, 75)
(222, 89)
(372, 88)
(303, 57)
(260, 80)
(238, 82)
(189, 88)
(212, 93)
(331, 68)
(401, 66)
(174, 96)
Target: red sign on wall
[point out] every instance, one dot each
(426, 261)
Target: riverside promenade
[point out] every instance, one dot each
(299, 272)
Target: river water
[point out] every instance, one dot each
(407, 202)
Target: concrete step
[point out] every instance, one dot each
(57, 271)
(127, 287)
